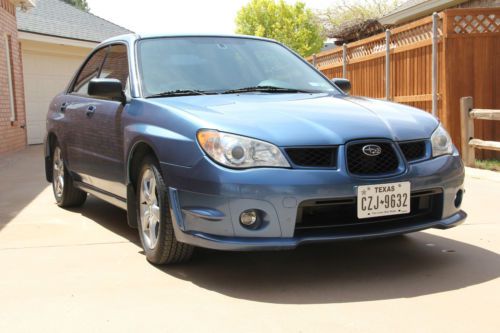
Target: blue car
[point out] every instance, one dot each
(237, 143)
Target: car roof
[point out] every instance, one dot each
(133, 37)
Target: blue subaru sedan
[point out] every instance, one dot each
(237, 143)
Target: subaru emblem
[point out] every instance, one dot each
(372, 150)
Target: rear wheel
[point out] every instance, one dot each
(65, 193)
(155, 224)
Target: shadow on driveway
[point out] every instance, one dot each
(400, 267)
(108, 216)
(22, 179)
(407, 266)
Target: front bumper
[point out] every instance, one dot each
(273, 243)
(206, 201)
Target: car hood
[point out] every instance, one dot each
(305, 119)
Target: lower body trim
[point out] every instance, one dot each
(256, 244)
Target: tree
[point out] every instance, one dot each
(353, 12)
(80, 4)
(293, 25)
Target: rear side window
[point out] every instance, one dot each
(89, 71)
(116, 65)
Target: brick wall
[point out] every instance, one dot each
(12, 134)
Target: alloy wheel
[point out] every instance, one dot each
(149, 209)
(58, 173)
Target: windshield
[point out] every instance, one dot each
(223, 64)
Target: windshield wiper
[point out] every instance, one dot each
(180, 93)
(271, 89)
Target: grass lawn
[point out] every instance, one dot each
(488, 164)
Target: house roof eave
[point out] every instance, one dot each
(417, 11)
(57, 40)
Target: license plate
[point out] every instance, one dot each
(383, 199)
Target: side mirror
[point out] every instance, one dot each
(107, 88)
(343, 84)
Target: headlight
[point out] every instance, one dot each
(240, 152)
(441, 142)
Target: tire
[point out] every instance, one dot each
(65, 193)
(153, 216)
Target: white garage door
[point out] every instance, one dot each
(45, 75)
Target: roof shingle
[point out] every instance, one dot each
(57, 18)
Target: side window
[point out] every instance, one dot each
(116, 65)
(89, 71)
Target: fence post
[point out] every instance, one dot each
(387, 64)
(434, 73)
(467, 131)
(314, 60)
(344, 61)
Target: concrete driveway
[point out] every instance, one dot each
(82, 270)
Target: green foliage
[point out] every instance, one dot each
(293, 25)
(351, 12)
(488, 164)
(80, 4)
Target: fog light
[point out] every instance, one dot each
(251, 219)
(248, 217)
(458, 198)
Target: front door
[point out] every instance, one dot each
(101, 158)
(103, 163)
(75, 129)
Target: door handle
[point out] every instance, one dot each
(90, 111)
(64, 106)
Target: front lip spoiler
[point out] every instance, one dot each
(257, 244)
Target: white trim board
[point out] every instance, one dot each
(55, 40)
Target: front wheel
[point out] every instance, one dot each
(65, 193)
(153, 214)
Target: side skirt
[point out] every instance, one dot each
(103, 195)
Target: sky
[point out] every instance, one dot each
(178, 16)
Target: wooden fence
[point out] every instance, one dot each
(467, 59)
(469, 142)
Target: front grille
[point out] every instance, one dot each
(361, 164)
(413, 151)
(339, 216)
(323, 157)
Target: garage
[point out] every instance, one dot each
(47, 71)
(52, 50)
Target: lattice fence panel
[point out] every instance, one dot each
(329, 59)
(367, 49)
(415, 35)
(476, 23)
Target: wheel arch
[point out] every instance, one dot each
(139, 149)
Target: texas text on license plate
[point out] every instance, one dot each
(383, 199)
